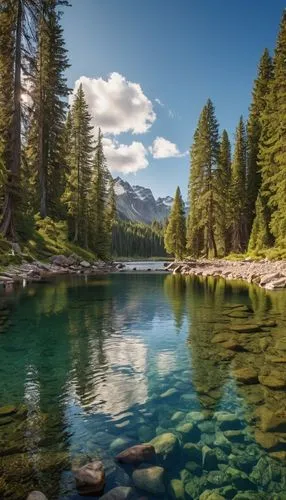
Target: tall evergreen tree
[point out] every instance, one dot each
(254, 126)
(80, 162)
(224, 194)
(99, 200)
(46, 144)
(238, 189)
(175, 235)
(18, 27)
(272, 145)
(203, 185)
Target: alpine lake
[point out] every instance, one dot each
(90, 366)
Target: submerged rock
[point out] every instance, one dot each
(169, 393)
(189, 432)
(275, 380)
(166, 446)
(119, 493)
(150, 479)
(272, 420)
(90, 479)
(246, 375)
(8, 410)
(228, 421)
(137, 454)
(193, 453)
(210, 495)
(36, 495)
(246, 328)
(177, 490)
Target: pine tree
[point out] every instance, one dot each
(175, 235)
(260, 237)
(17, 21)
(203, 185)
(238, 189)
(224, 194)
(46, 146)
(272, 145)
(79, 175)
(99, 197)
(254, 126)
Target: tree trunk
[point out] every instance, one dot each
(7, 226)
(41, 163)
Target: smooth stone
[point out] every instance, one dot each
(228, 421)
(280, 344)
(120, 443)
(275, 380)
(207, 426)
(220, 337)
(36, 495)
(137, 454)
(272, 420)
(210, 495)
(90, 479)
(267, 440)
(177, 490)
(119, 493)
(193, 453)
(245, 328)
(193, 467)
(178, 416)
(235, 436)
(185, 475)
(239, 479)
(209, 458)
(150, 479)
(169, 393)
(222, 442)
(250, 495)
(195, 416)
(189, 432)
(165, 445)
(6, 411)
(246, 375)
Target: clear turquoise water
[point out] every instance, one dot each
(87, 363)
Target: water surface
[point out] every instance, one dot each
(93, 365)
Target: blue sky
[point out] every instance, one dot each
(178, 52)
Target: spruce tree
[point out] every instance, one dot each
(203, 189)
(272, 144)
(18, 27)
(99, 201)
(238, 190)
(79, 175)
(260, 237)
(46, 137)
(175, 235)
(224, 194)
(254, 126)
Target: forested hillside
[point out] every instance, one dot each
(131, 239)
(238, 199)
(51, 168)
(53, 171)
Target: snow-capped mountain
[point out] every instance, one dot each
(137, 203)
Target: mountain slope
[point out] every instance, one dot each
(137, 203)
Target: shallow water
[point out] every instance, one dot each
(94, 365)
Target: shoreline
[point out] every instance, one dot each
(37, 271)
(267, 274)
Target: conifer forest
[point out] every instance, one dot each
(53, 168)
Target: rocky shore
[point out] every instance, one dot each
(265, 273)
(57, 265)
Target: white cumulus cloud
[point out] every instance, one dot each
(125, 158)
(117, 105)
(163, 148)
